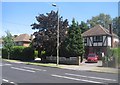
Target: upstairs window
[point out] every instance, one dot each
(97, 39)
(85, 40)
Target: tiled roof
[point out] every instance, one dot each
(22, 37)
(97, 30)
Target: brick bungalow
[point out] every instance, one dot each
(98, 38)
(22, 40)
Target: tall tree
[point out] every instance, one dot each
(116, 25)
(46, 36)
(74, 42)
(8, 42)
(83, 26)
(102, 19)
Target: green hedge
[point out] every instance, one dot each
(20, 53)
(117, 53)
(4, 53)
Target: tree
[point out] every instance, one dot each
(46, 36)
(74, 41)
(102, 19)
(83, 26)
(116, 25)
(8, 43)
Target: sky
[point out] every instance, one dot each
(18, 16)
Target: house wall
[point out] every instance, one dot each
(0, 45)
(109, 41)
(106, 41)
(115, 42)
(21, 43)
(26, 44)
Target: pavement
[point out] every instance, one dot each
(95, 67)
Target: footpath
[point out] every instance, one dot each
(81, 67)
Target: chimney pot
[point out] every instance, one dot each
(110, 29)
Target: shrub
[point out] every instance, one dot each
(28, 54)
(4, 53)
(36, 54)
(19, 53)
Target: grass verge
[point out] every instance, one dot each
(33, 63)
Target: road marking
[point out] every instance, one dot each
(75, 79)
(5, 80)
(8, 64)
(12, 82)
(22, 69)
(91, 77)
(34, 69)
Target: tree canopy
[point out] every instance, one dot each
(116, 25)
(8, 42)
(46, 36)
(102, 19)
(74, 40)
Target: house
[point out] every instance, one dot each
(22, 40)
(98, 38)
(1, 43)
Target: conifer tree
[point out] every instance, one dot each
(74, 42)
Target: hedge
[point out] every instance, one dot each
(20, 53)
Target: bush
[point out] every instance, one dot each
(36, 54)
(19, 53)
(28, 54)
(4, 53)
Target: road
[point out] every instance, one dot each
(21, 73)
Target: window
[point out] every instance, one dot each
(85, 40)
(97, 39)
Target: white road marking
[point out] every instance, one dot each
(12, 82)
(5, 80)
(8, 64)
(22, 69)
(75, 79)
(91, 77)
(34, 69)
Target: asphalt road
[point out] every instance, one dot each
(20, 73)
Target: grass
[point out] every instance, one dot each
(34, 63)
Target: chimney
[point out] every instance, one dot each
(110, 29)
(111, 32)
(15, 36)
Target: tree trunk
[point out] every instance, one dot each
(78, 60)
(8, 55)
(39, 53)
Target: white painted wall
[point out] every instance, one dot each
(105, 43)
(115, 40)
(95, 44)
(100, 43)
(109, 41)
(90, 41)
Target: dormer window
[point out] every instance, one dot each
(97, 39)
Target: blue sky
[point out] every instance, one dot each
(18, 16)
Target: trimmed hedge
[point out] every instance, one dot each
(4, 53)
(20, 53)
